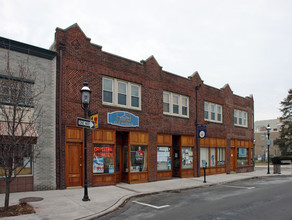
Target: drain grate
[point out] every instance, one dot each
(31, 199)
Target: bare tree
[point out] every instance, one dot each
(20, 117)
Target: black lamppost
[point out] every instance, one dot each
(268, 133)
(196, 124)
(85, 99)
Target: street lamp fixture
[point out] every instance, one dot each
(268, 133)
(85, 100)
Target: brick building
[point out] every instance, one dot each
(39, 174)
(147, 119)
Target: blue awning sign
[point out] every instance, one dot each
(123, 119)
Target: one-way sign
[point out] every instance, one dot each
(85, 123)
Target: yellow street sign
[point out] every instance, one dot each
(95, 119)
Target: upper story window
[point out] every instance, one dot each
(135, 96)
(121, 93)
(175, 104)
(107, 90)
(212, 112)
(240, 118)
(16, 92)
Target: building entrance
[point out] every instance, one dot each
(122, 138)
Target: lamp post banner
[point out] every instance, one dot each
(202, 131)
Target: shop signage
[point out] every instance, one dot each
(202, 131)
(123, 119)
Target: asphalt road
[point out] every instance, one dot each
(263, 198)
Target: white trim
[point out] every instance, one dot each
(209, 104)
(171, 103)
(128, 94)
(237, 114)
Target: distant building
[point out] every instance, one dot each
(260, 135)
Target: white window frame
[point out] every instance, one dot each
(168, 94)
(128, 94)
(242, 116)
(171, 103)
(104, 102)
(186, 106)
(208, 107)
(131, 95)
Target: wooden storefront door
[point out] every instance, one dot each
(74, 164)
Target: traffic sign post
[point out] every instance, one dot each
(85, 123)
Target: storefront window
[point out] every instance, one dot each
(103, 160)
(242, 156)
(187, 157)
(163, 158)
(204, 156)
(26, 165)
(138, 158)
(213, 157)
(220, 156)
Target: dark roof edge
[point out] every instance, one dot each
(13, 45)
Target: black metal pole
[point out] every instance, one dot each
(196, 136)
(85, 197)
(268, 153)
(205, 175)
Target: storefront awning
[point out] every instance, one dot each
(23, 130)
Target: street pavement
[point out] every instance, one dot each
(68, 204)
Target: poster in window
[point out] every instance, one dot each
(98, 164)
(242, 152)
(139, 154)
(111, 169)
(213, 160)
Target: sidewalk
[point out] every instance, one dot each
(68, 204)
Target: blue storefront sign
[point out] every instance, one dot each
(123, 119)
(202, 131)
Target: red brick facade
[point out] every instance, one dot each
(79, 60)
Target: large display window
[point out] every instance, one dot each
(138, 158)
(220, 156)
(163, 158)
(204, 156)
(242, 156)
(187, 158)
(214, 155)
(103, 159)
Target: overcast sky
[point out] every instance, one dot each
(245, 43)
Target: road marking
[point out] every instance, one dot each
(238, 187)
(152, 206)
